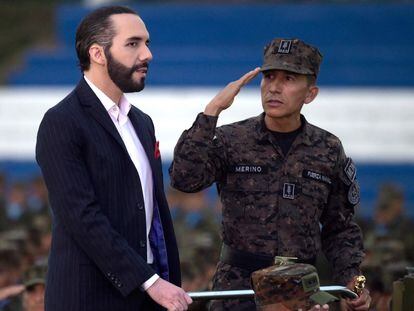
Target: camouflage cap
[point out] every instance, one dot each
(292, 286)
(36, 274)
(292, 55)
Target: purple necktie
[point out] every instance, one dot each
(157, 243)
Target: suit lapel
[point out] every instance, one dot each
(147, 142)
(92, 104)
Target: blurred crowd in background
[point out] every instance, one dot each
(25, 237)
(389, 243)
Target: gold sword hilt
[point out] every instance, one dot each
(359, 284)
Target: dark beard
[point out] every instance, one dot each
(122, 75)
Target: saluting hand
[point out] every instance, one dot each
(225, 97)
(171, 297)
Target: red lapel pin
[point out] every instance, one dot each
(157, 153)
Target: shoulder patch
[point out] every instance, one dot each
(350, 170)
(354, 193)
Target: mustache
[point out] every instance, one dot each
(272, 99)
(140, 66)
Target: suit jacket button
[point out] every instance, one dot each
(142, 243)
(140, 206)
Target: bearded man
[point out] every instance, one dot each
(113, 245)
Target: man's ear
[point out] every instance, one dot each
(97, 55)
(312, 93)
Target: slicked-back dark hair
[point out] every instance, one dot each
(97, 28)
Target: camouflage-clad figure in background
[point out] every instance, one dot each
(278, 177)
(389, 242)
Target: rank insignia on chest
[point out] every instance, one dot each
(288, 191)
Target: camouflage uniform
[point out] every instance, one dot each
(273, 204)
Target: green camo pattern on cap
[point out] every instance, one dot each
(292, 55)
(293, 285)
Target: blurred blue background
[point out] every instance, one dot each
(363, 45)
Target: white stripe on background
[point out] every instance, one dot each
(375, 125)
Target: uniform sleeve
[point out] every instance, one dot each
(198, 156)
(76, 207)
(341, 236)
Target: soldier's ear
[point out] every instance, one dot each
(312, 93)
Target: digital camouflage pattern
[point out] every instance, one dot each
(293, 286)
(292, 55)
(272, 204)
(228, 277)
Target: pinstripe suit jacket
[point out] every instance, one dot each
(98, 255)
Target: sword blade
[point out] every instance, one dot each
(218, 295)
(249, 293)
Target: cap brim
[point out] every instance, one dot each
(287, 68)
(323, 298)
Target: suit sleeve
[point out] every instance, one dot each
(75, 206)
(198, 156)
(341, 236)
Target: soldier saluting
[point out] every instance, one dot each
(286, 186)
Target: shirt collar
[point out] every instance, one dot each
(263, 134)
(120, 112)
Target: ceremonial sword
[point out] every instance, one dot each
(249, 293)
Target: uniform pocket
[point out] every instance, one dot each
(316, 191)
(246, 198)
(314, 198)
(247, 182)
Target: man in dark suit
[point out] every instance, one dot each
(113, 244)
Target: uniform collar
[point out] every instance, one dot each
(263, 134)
